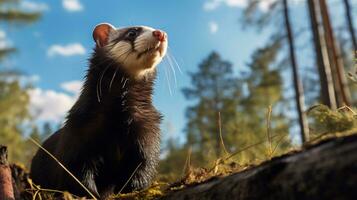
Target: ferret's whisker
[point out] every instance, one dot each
(122, 54)
(126, 80)
(111, 81)
(168, 81)
(97, 88)
(101, 78)
(171, 56)
(98, 91)
(126, 58)
(168, 72)
(172, 69)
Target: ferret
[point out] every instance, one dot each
(110, 140)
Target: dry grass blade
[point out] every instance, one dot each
(268, 131)
(35, 195)
(220, 133)
(278, 143)
(38, 190)
(248, 147)
(187, 166)
(131, 176)
(53, 157)
(318, 137)
(347, 108)
(222, 160)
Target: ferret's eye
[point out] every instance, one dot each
(132, 34)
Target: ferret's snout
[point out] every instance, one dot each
(159, 35)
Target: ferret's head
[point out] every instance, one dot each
(137, 49)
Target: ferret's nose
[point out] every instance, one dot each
(160, 35)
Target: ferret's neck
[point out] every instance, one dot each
(109, 92)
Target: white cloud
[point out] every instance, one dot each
(73, 87)
(24, 80)
(263, 5)
(72, 5)
(34, 6)
(213, 4)
(4, 41)
(213, 27)
(66, 50)
(4, 44)
(49, 105)
(2, 34)
(29, 79)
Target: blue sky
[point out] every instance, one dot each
(54, 51)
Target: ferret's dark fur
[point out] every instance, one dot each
(102, 143)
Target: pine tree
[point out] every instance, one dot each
(14, 113)
(14, 99)
(327, 91)
(264, 89)
(10, 13)
(278, 13)
(214, 91)
(299, 92)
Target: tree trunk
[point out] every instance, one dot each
(6, 189)
(335, 58)
(299, 93)
(327, 92)
(350, 23)
(327, 171)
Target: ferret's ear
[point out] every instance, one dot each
(101, 34)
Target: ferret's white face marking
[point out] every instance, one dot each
(138, 49)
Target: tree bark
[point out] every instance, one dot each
(326, 82)
(349, 20)
(327, 170)
(6, 189)
(299, 92)
(335, 58)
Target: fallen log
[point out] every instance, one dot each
(6, 189)
(327, 170)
